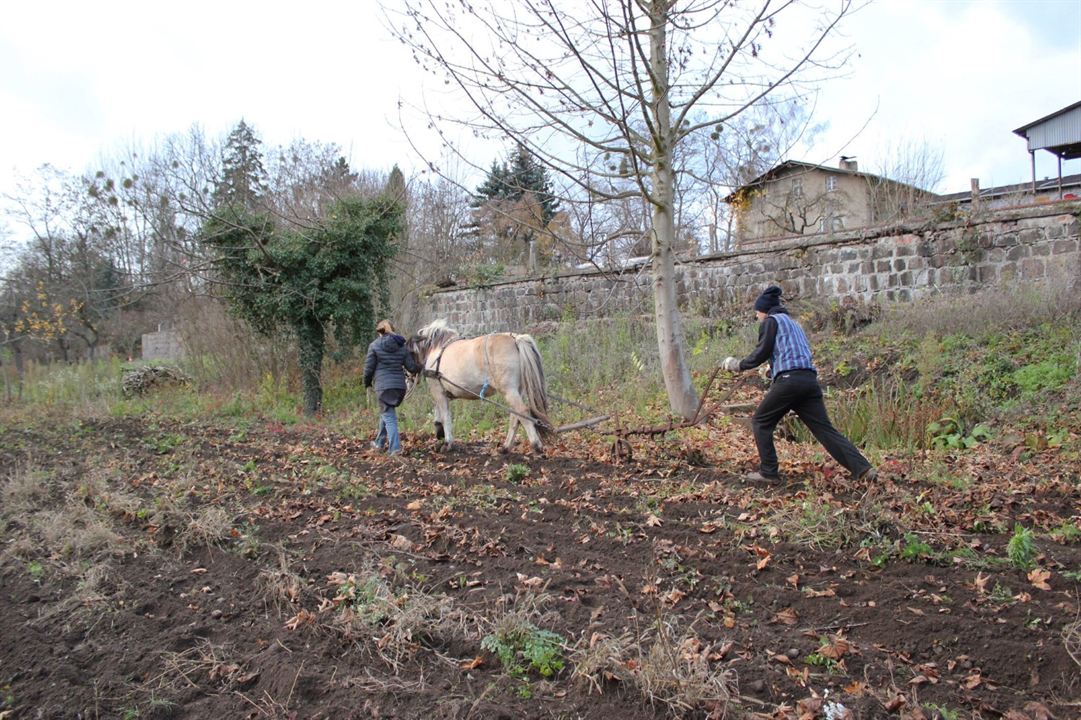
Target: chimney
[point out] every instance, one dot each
(849, 163)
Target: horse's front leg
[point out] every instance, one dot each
(443, 429)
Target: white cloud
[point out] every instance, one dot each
(961, 76)
(81, 79)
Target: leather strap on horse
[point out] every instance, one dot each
(434, 373)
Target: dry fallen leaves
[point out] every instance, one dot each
(1039, 578)
(304, 617)
(835, 648)
(472, 664)
(788, 616)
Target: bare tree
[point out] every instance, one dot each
(622, 77)
(910, 172)
(727, 158)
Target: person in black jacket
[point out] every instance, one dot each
(385, 363)
(795, 387)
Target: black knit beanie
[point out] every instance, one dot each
(769, 299)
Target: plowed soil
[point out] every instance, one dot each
(154, 568)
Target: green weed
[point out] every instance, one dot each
(942, 712)
(523, 648)
(516, 473)
(1021, 549)
(948, 433)
(815, 659)
(916, 550)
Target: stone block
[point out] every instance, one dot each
(1032, 269)
(1064, 247)
(1029, 236)
(899, 264)
(881, 250)
(1006, 240)
(1017, 252)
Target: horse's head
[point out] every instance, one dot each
(418, 346)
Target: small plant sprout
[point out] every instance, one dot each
(517, 472)
(1021, 549)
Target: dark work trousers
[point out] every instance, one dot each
(799, 391)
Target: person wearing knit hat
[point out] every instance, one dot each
(795, 387)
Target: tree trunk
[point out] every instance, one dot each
(312, 340)
(682, 397)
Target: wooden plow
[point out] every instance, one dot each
(621, 447)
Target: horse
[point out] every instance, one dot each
(471, 368)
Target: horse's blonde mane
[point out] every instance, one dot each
(437, 333)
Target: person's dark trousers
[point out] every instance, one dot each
(799, 391)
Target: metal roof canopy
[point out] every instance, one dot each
(1058, 133)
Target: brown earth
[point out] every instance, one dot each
(158, 569)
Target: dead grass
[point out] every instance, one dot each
(604, 659)
(1071, 637)
(398, 621)
(808, 519)
(675, 673)
(205, 666)
(209, 527)
(76, 531)
(985, 313)
(23, 490)
(280, 586)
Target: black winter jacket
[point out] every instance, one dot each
(386, 358)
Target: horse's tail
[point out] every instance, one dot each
(533, 388)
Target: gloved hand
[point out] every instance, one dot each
(730, 364)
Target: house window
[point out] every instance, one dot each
(831, 183)
(831, 223)
(797, 189)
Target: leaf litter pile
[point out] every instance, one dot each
(156, 568)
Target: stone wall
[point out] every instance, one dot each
(899, 264)
(163, 345)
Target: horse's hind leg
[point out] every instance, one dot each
(519, 406)
(512, 431)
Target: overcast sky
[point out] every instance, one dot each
(81, 80)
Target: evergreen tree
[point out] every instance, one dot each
(243, 181)
(511, 180)
(528, 175)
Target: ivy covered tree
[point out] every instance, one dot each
(327, 275)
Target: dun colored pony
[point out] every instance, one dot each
(478, 367)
